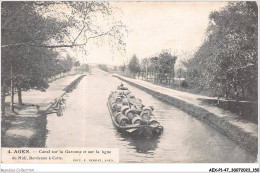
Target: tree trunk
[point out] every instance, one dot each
(12, 97)
(146, 69)
(236, 93)
(170, 78)
(3, 100)
(243, 92)
(20, 102)
(12, 92)
(217, 93)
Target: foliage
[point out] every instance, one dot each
(76, 63)
(103, 67)
(123, 68)
(134, 66)
(84, 68)
(226, 63)
(31, 31)
(166, 61)
(161, 66)
(82, 18)
(184, 84)
(22, 24)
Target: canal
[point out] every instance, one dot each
(86, 123)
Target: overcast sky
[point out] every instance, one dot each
(179, 26)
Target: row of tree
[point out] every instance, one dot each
(34, 33)
(84, 68)
(158, 68)
(103, 67)
(226, 63)
(31, 68)
(27, 67)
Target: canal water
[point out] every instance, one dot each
(86, 123)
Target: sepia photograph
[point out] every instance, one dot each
(129, 82)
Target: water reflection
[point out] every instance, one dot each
(141, 145)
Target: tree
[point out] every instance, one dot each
(76, 64)
(226, 63)
(82, 20)
(166, 67)
(161, 66)
(14, 15)
(145, 66)
(123, 68)
(33, 28)
(134, 66)
(103, 67)
(84, 68)
(234, 32)
(32, 70)
(22, 24)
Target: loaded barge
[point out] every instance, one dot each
(130, 116)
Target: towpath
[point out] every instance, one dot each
(241, 131)
(26, 125)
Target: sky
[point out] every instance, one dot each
(178, 26)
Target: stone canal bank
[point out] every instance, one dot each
(241, 131)
(27, 126)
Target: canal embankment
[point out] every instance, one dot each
(241, 131)
(26, 127)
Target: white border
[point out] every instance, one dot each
(135, 167)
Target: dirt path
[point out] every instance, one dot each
(27, 126)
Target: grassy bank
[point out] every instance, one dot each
(245, 110)
(24, 130)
